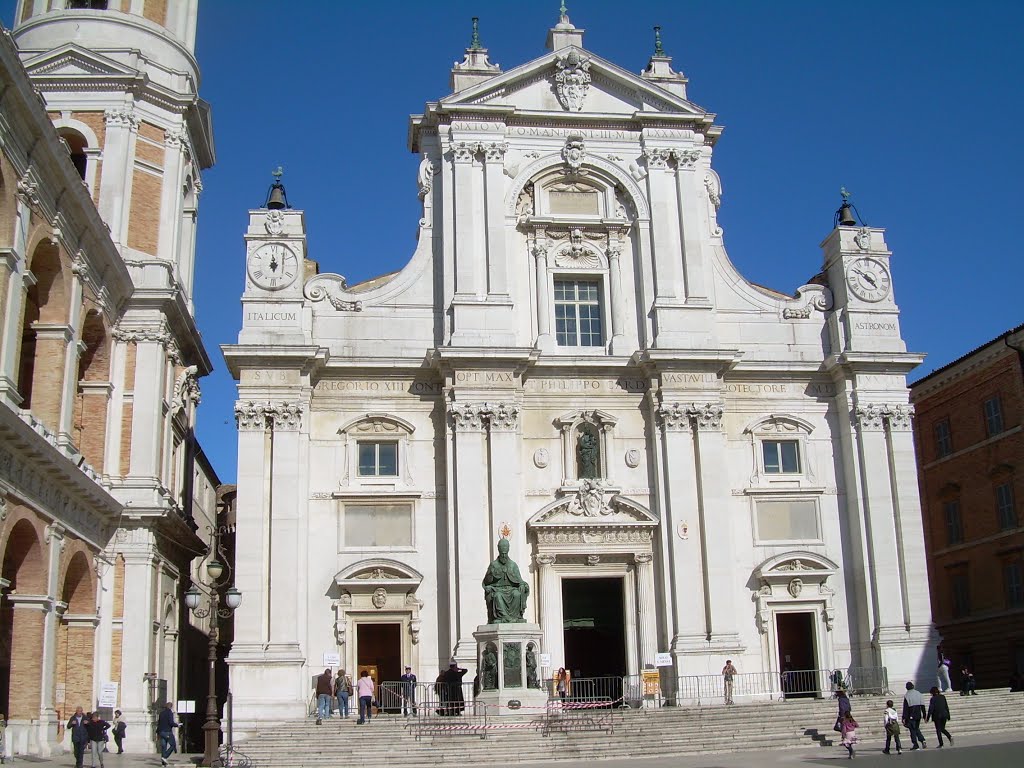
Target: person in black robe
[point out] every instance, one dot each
(454, 700)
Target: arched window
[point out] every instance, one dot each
(90, 417)
(43, 335)
(76, 147)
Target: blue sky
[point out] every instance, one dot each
(913, 106)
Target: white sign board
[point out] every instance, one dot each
(663, 660)
(545, 660)
(186, 707)
(108, 695)
(332, 659)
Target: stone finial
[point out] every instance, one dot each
(474, 43)
(475, 66)
(564, 34)
(658, 50)
(659, 69)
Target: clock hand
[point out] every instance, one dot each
(868, 278)
(273, 263)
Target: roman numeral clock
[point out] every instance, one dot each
(273, 266)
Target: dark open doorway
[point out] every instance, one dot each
(593, 622)
(379, 650)
(797, 657)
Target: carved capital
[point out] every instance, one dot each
(502, 416)
(707, 416)
(495, 151)
(464, 152)
(466, 416)
(123, 117)
(27, 188)
(900, 417)
(643, 558)
(686, 158)
(657, 157)
(545, 560)
(674, 417)
(174, 138)
(285, 416)
(869, 417)
(250, 416)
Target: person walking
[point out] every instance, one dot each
(849, 733)
(364, 688)
(844, 709)
(119, 729)
(165, 725)
(938, 713)
(408, 693)
(563, 683)
(891, 722)
(97, 730)
(728, 673)
(324, 692)
(79, 735)
(343, 691)
(913, 711)
(943, 671)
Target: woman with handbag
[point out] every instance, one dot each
(119, 730)
(844, 710)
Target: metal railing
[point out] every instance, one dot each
(619, 691)
(579, 714)
(801, 683)
(445, 716)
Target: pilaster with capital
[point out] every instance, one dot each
(696, 261)
(72, 351)
(647, 604)
(505, 477)
(494, 196)
(171, 204)
(122, 126)
(551, 609)
(15, 285)
(540, 248)
(288, 468)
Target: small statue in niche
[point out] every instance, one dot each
(532, 681)
(489, 667)
(588, 455)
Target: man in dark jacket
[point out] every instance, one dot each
(324, 692)
(913, 711)
(79, 735)
(97, 730)
(165, 726)
(938, 713)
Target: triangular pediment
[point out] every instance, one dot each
(533, 87)
(613, 512)
(73, 61)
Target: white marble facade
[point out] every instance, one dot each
(753, 449)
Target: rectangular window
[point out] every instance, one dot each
(954, 526)
(781, 456)
(993, 416)
(793, 520)
(960, 591)
(578, 313)
(943, 439)
(1013, 580)
(378, 458)
(378, 525)
(1006, 509)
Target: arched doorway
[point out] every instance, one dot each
(21, 623)
(76, 636)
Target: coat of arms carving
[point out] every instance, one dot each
(572, 80)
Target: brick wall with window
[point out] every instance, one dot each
(970, 446)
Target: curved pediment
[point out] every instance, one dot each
(376, 423)
(586, 508)
(804, 565)
(376, 571)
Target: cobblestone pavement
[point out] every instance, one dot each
(1000, 750)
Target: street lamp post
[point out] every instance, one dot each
(232, 599)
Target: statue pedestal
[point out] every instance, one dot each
(508, 659)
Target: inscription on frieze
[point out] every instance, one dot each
(380, 387)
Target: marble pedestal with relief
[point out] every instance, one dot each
(508, 660)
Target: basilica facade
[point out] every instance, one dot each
(682, 462)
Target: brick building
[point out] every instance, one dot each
(970, 448)
(104, 493)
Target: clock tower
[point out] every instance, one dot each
(275, 264)
(866, 318)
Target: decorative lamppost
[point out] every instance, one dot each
(232, 599)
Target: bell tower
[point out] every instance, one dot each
(121, 81)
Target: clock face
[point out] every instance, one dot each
(273, 266)
(868, 279)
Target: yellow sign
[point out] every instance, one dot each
(652, 682)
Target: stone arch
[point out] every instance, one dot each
(77, 145)
(22, 620)
(44, 334)
(76, 633)
(89, 423)
(600, 170)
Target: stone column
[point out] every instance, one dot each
(148, 404)
(618, 312)
(689, 188)
(474, 545)
(52, 341)
(685, 556)
(505, 481)
(721, 583)
(122, 124)
(661, 191)
(171, 202)
(284, 529)
(545, 341)
(16, 285)
(71, 353)
(54, 539)
(138, 548)
(551, 610)
(494, 195)
(648, 608)
(468, 210)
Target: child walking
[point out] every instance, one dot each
(891, 721)
(848, 728)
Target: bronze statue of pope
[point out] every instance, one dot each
(505, 591)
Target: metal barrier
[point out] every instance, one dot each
(619, 691)
(448, 718)
(579, 714)
(232, 757)
(801, 683)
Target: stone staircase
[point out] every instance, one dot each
(389, 740)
